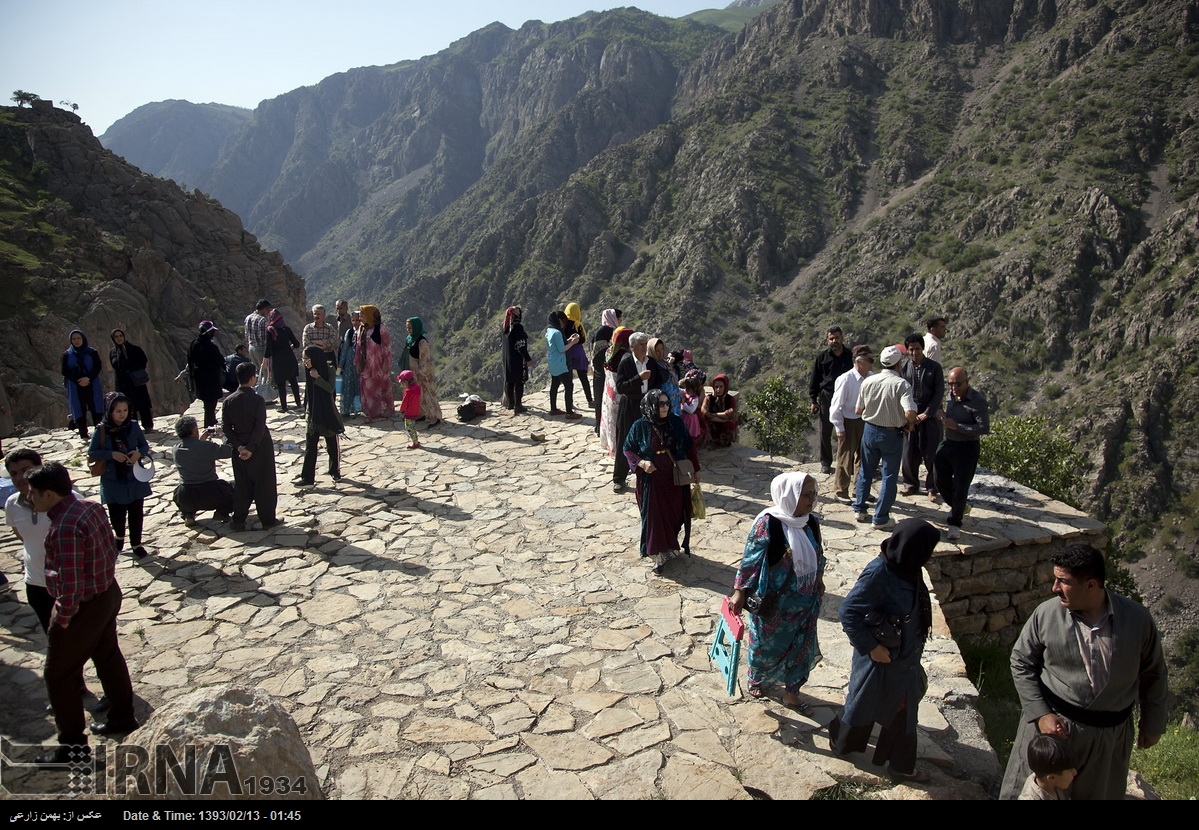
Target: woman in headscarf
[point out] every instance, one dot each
(576, 355)
(783, 564)
(600, 341)
(129, 364)
(350, 390)
(611, 400)
(280, 355)
(418, 357)
(80, 372)
(887, 617)
(323, 420)
(655, 441)
(373, 360)
(657, 350)
(720, 413)
(120, 442)
(516, 359)
(206, 365)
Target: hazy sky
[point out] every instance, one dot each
(112, 56)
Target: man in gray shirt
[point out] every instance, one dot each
(966, 420)
(200, 487)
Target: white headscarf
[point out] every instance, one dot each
(785, 490)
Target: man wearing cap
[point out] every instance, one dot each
(885, 404)
(847, 422)
(255, 324)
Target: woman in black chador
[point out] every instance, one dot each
(133, 381)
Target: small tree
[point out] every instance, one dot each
(22, 97)
(1027, 451)
(74, 107)
(778, 421)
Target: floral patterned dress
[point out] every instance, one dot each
(782, 649)
(374, 379)
(426, 377)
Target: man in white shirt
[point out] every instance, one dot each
(847, 423)
(937, 327)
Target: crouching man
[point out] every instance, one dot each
(200, 488)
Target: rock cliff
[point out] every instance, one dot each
(88, 241)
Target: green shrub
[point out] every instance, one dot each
(1172, 766)
(776, 416)
(1027, 451)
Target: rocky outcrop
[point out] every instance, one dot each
(237, 737)
(175, 139)
(98, 244)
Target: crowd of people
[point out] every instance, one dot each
(1085, 659)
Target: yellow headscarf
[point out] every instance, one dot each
(575, 315)
(369, 315)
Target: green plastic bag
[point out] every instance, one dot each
(698, 511)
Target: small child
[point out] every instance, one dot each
(1052, 770)
(410, 405)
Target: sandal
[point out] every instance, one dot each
(756, 692)
(803, 707)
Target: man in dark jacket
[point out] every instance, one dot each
(243, 420)
(920, 445)
(829, 365)
(637, 373)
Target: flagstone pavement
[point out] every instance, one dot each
(471, 620)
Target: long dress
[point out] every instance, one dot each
(127, 359)
(77, 364)
(665, 506)
(426, 377)
(350, 391)
(885, 693)
(782, 649)
(374, 378)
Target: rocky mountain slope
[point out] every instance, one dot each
(175, 139)
(88, 241)
(1026, 167)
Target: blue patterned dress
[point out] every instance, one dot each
(783, 649)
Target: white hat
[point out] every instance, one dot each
(891, 357)
(143, 470)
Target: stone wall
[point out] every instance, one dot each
(998, 572)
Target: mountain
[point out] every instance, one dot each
(174, 139)
(1026, 168)
(88, 241)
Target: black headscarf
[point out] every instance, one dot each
(317, 355)
(907, 551)
(663, 426)
(118, 433)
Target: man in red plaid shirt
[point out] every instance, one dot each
(81, 558)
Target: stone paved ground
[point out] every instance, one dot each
(471, 620)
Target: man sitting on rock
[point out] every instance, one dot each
(200, 488)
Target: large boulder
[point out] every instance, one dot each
(219, 742)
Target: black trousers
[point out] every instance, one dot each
(211, 495)
(281, 386)
(566, 381)
(254, 481)
(956, 462)
(514, 388)
(92, 634)
(826, 429)
(210, 419)
(896, 747)
(920, 446)
(135, 510)
(308, 473)
(41, 602)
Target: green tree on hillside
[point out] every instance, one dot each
(22, 97)
(776, 417)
